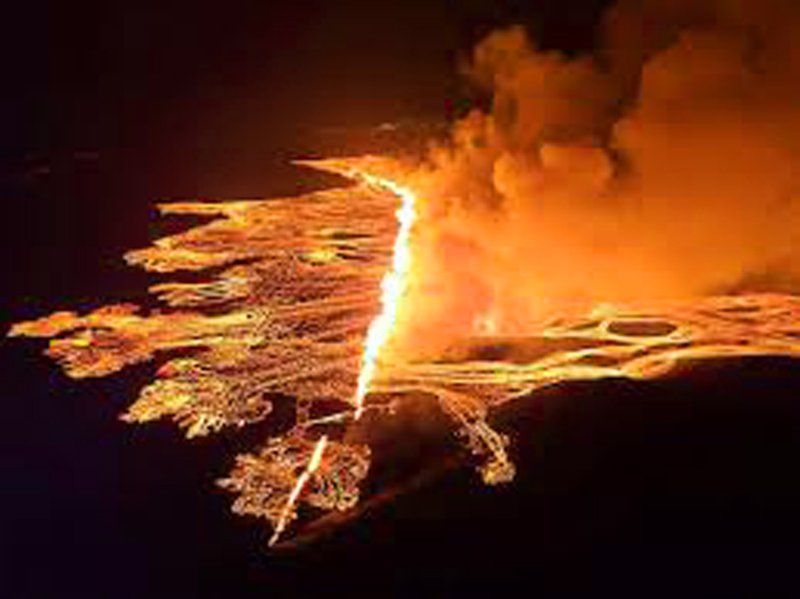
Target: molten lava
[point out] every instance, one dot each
(606, 218)
(302, 480)
(393, 285)
(287, 316)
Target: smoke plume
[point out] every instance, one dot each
(664, 165)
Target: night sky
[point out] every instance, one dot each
(686, 485)
(125, 73)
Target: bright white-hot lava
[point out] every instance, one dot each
(300, 483)
(393, 286)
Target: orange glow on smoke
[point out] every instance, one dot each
(393, 286)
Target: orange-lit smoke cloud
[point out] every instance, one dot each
(666, 164)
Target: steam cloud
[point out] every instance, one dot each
(662, 166)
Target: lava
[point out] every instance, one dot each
(286, 317)
(393, 285)
(302, 480)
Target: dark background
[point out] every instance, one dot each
(686, 485)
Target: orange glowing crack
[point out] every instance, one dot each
(302, 480)
(393, 286)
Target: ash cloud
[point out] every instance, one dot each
(664, 165)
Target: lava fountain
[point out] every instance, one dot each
(393, 285)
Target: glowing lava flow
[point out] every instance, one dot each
(302, 480)
(392, 287)
(280, 316)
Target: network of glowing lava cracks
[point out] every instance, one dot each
(304, 300)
